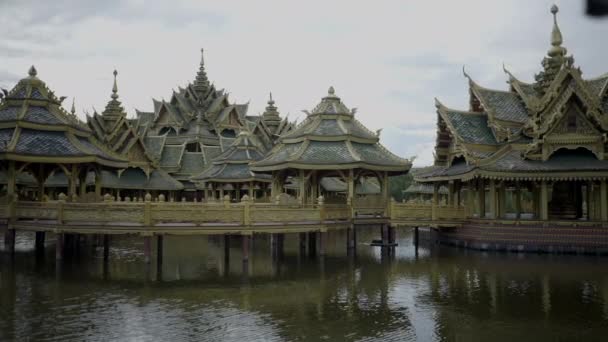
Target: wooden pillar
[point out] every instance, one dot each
(481, 198)
(314, 186)
(302, 243)
(12, 180)
(457, 188)
(351, 186)
(39, 244)
(251, 192)
(450, 193)
(302, 187)
(106, 247)
(159, 251)
(322, 242)
(9, 240)
(72, 182)
(147, 249)
(603, 201)
(518, 200)
(82, 182)
(385, 184)
(589, 199)
(312, 243)
(493, 199)
(544, 201)
(502, 200)
(226, 250)
(435, 204)
(59, 246)
(384, 234)
(245, 246)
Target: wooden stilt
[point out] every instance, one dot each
(39, 245)
(302, 243)
(59, 247)
(106, 247)
(322, 242)
(312, 244)
(159, 251)
(246, 242)
(9, 240)
(226, 248)
(147, 249)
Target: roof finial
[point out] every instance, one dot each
(271, 101)
(201, 82)
(32, 72)
(73, 110)
(331, 91)
(556, 36)
(115, 87)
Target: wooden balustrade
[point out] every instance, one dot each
(150, 213)
(425, 212)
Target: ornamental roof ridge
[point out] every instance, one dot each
(441, 107)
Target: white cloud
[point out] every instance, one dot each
(389, 58)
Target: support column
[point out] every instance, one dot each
(106, 247)
(302, 244)
(603, 201)
(351, 186)
(457, 188)
(481, 198)
(385, 187)
(302, 187)
(384, 234)
(435, 204)
(588, 199)
(39, 245)
(544, 201)
(9, 240)
(312, 244)
(322, 242)
(59, 246)
(147, 249)
(72, 182)
(450, 193)
(98, 185)
(246, 242)
(517, 200)
(502, 200)
(159, 252)
(493, 199)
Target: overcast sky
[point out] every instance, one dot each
(387, 58)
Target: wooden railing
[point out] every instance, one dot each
(149, 213)
(426, 212)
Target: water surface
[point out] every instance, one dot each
(439, 294)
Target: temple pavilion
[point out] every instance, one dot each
(113, 128)
(541, 143)
(198, 123)
(229, 173)
(38, 137)
(330, 142)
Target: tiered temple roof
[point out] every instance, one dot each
(120, 134)
(553, 128)
(35, 128)
(197, 124)
(331, 138)
(232, 165)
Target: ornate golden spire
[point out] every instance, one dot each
(114, 107)
(556, 57)
(115, 87)
(201, 83)
(556, 36)
(32, 72)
